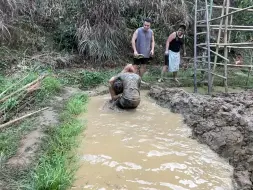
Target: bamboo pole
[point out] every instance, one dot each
(24, 87)
(236, 29)
(218, 42)
(237, 11)
(232, 65)
(226, 48)
(12, 86)
(232, 8)
(237, 47)
(229, 26)
(20, 118)
(229, 35)
(208, 49)
(216, 54)
(195, 48)
(229, 44)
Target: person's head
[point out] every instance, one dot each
(147, 23)
(239, 55)
(181, 29)
(118, 86)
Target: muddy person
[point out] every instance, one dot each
(129, 68)
(174, 43)
(125, 90)
(143, 44)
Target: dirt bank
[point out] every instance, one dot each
(223, 122)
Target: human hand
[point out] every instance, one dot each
(152, 52)
(115, 97)
(166, 52)
(136, 53)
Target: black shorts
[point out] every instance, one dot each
(142, 61)
(166, 60)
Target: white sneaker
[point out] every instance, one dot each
(160, 80)
(142, 82)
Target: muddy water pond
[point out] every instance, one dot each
(148, 148)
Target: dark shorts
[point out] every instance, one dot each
(142, 61)
(166, 60)
(127, 104)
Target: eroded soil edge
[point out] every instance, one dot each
(223, 122)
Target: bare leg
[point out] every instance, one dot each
(175, 77)
(112, 92)
(164, 69)
(136, 69)
(142, 70)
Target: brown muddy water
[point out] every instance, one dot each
(148, 148)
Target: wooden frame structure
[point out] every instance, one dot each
(225, 26)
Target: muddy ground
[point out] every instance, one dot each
(223, 122)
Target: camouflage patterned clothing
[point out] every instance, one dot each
(131, 90)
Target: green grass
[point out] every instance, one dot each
(93, 79)
(10, 138)
(236, 77)
(56, 168)
(49, 86)
(74, 106)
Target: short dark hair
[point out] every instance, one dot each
(182, 26)
(148, 20)
(118, 86)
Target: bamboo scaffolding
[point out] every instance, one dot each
(235, 29)
(232, 8)
(224, 28)
(212, 73)
(228, 44)
(231, 65)
(237, 11)
(218, 42)
(226, 59)
(229, 26)
(226, 48)
(208, 49)
(195, 48)
(237, 47)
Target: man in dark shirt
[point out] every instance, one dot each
(174, 43)
(125, 90)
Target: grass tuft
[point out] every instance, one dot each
(56, 168)
(75, 105)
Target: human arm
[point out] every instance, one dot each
(152, 45)
(134, 37)
(170, 38)
(184, 48)
(128, 68)
(111, 89)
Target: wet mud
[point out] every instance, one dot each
(145, 148)
(224, 122)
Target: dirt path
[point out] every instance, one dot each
(223, 122)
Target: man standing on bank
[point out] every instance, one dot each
(143, 44)
(175, 41)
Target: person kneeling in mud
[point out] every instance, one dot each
(125, 90)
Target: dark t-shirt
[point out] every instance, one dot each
(131, 85)
(176, 43)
